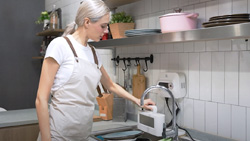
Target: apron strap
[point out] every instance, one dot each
(95, 58)
(72, 48)
(94, 54)
(96, 61)
(105, 90)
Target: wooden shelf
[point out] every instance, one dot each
(38, 57)
(51, 32)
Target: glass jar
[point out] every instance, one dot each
(53, 19)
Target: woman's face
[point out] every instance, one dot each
(98, 29)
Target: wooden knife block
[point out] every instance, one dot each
(106, 106)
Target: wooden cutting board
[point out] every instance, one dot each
(139, 83)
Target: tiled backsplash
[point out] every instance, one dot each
(217, 72)
(218, 95)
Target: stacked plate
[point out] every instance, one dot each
(139, 32)
(227, 20)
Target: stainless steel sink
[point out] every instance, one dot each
(144, 135)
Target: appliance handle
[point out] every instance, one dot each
(192, 15)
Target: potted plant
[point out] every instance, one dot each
(44, 18)
(119, 23)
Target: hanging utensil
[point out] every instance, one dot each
(124, 70)
(128, 82)
(139, 83)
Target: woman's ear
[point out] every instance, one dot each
(86, 22)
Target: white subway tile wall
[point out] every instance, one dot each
(178, 47)
(173, 62)
(156, 66)
(212, 46)
(199, 115)
(155, 4)
(231, 78)
(239, 44)
(199, 46)
(205, 76)
(164, 62)
(225, 7)
(172, 4)
(189, 47)
(217, 72)
(194, 75)
(212, 9)
(201, 9)
(169, 47)
(225, 45)
(188, 113)
(218, 77)
(224, 120)
(239, 6)
(211, 118)
(248, 124)
(239, 123)
(183, 68)
(244, 79)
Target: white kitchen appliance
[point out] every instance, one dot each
(175, 82)
(151, 122)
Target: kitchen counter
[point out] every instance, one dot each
(28, 116)
(18, 117)
(23, 125)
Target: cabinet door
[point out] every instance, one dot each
(20, 133)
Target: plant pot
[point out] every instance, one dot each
(45, 24)
(118, 29)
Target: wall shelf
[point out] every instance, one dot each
(37, 57)
(48, 36)
(51, 32)
(116, 3)
(204, 34)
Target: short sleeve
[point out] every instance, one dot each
(56, 50)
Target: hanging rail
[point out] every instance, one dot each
(136, 59)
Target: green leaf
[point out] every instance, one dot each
(121, 17)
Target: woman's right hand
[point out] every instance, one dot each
(147, 104)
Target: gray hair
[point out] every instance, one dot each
(92, 9)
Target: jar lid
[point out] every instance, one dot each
(174, 14)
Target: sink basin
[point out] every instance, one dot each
(144, 136)
(97, 136)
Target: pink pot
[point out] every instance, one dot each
(178, 22)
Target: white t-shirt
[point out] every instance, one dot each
(59, 50)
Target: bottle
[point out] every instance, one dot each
(53, 19)
(43, 49)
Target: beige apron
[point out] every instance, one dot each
(72, 106)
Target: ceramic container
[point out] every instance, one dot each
(173, 22)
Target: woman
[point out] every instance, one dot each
(71, 74)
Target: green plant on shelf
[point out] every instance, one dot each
(44, 16)
(121, 17)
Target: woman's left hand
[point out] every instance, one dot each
(147, 104)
